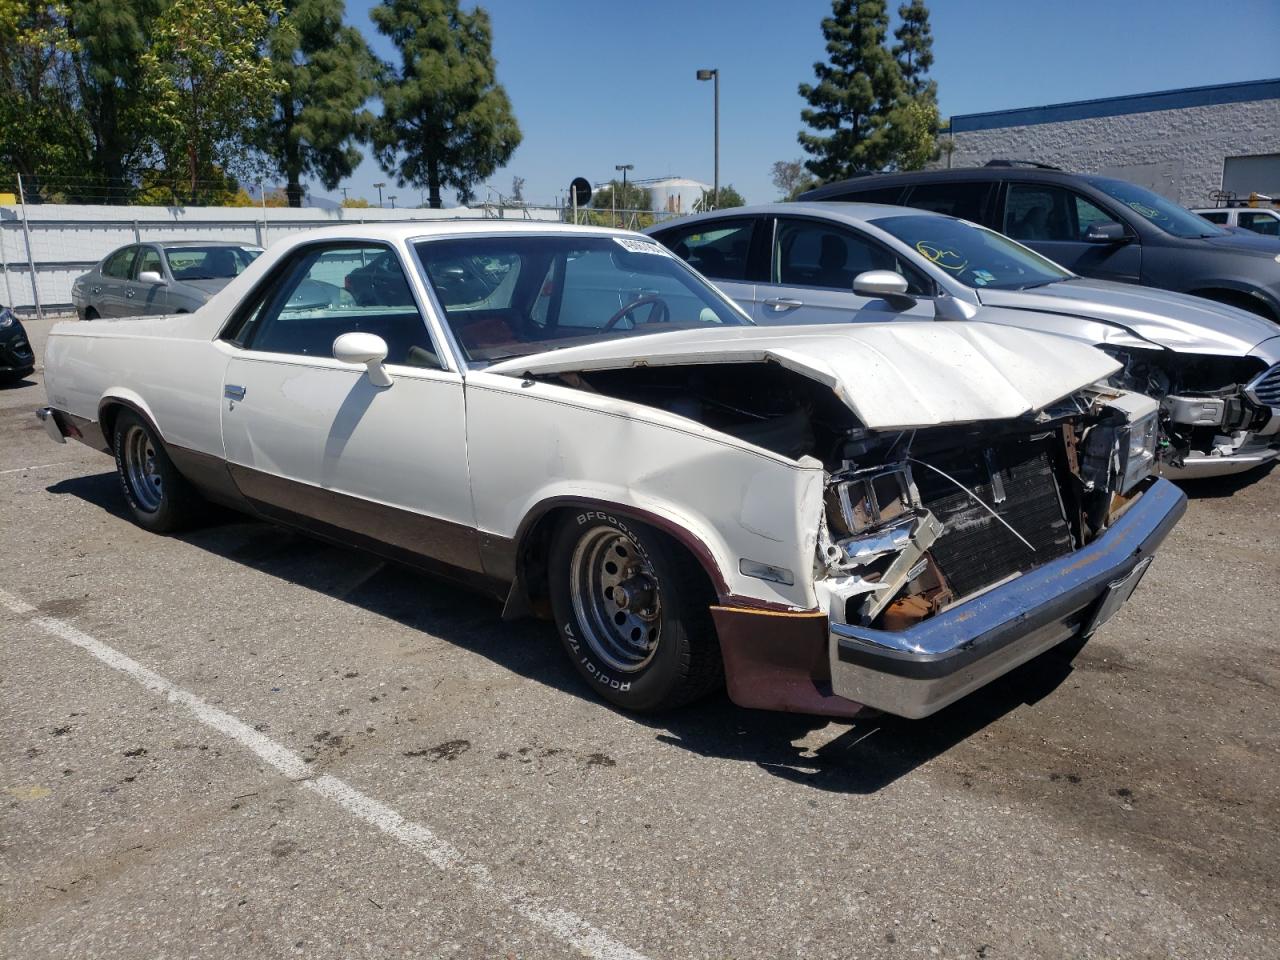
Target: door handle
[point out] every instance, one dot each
(232, 392)
(784, 303)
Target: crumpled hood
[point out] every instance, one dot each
(1177, 321)
(891, 375)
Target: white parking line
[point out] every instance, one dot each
(37, 466)
(562, 924)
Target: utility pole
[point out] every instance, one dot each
(31, 263)
(344, 194)
(714, 74)
(392, 198)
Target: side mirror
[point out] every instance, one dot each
(368, 349)
(150, 276)
(881, 283)
(1105, 231)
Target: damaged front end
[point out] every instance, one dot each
(919, 522)
(1219, 415)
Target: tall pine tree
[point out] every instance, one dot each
(855, 94)
(446, 121)
(914, 49)
(328, 75)
(914, 120)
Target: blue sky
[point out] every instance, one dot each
(597, 84)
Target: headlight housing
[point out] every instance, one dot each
(1136, 448)
(7, 319)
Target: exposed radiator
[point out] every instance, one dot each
(1017, 482)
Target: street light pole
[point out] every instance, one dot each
(714, 74)
(380, 186)
(624, 167)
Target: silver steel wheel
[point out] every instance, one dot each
(616, 599)
(141, 470)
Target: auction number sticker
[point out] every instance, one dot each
(946, 259)
(640, 246)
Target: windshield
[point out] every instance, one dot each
(513, 296)
(209, 263)
(1155, 209)
(975, 256)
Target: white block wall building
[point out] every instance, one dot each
(1185, 144)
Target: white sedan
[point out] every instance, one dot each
(571, 419)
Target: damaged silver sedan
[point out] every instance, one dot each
(827, 518)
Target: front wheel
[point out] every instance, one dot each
(633, 612)
(160, 499)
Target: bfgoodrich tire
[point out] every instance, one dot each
(633, 611)
(160, 499)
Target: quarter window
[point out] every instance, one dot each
(808, 253)
(327, 291)
(719, 249)
(1037, 211)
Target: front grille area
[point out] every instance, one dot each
(975, 550)
(1265, 389)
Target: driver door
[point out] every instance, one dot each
(312, 441)
(812, 268)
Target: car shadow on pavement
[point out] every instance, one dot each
(869, 754)
(17, 384)
(1216, 488)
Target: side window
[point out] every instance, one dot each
(1038, 211)
(117, 266)
(966, 199)
(718, 250)
(1219, 217)
(148, 259)
(327, 291)
(1265, 223)
(807, 253)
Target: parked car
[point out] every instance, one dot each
(159, 278)
(1095, 226)
(879, 514)
(16, 357)
(1214, 369)
(1263, 220)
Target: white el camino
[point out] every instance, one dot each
(826, 518)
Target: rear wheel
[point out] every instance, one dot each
(90, 313)
(633, 611)
(160, 499)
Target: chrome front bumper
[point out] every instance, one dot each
(918, 671)
(49, 418)
(1198, 468)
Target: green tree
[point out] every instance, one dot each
(446, 121)
(210, 89)
(729, 197)
(914, 49)
(43, 135)
(356, 203)
(110, 39)
(790, 177)
(856, 91)
(326, 74)
(913, 123)
(614, 196)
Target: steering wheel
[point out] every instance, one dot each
(658, 310)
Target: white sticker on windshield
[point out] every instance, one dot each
(640, 246)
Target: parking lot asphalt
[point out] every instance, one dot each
(243, 742)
